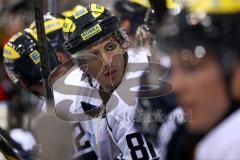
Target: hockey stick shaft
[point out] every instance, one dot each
(160, 8)
(43, 49)
(7, 150)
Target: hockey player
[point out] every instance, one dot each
(22, 63)
(203, 40)
(102, 101)
(22, 49)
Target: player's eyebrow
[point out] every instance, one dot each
(95, 51)
(97, 45)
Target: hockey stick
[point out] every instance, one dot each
(160, 8)
(44, 54)
(7, 149)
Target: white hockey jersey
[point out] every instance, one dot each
(222, 142)
(111, 136)
(167, 130)
(120, 120)
(82, 146)
(76, 103)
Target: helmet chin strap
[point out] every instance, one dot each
(101, 89)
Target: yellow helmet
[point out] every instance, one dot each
(213, 6)
(67, 13)
(53, 27)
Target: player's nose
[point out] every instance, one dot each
(107, 58)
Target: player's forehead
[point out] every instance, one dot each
(102, 42)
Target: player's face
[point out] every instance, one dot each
(200, 90)
(106, 62)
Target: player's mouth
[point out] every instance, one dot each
(111, 73)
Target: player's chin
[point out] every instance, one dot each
(112, 83)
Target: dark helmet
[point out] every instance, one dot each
(202, 28)
(21, 56)
(134, 10)
(22, 59)
(203, 25)
(89, 25)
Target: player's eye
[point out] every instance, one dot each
(110, 46)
